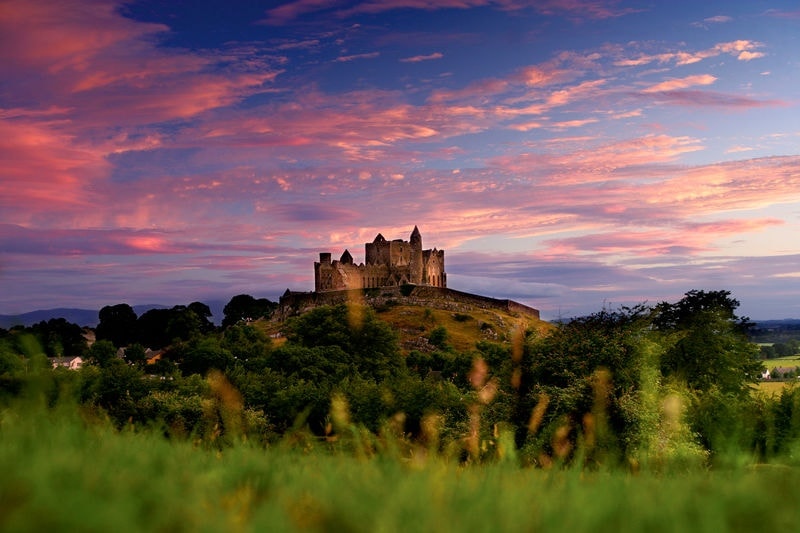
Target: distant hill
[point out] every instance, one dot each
(82, 317)
(776, 330)
(89, 317)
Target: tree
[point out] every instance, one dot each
(708, 343)
(102, 353)
(204, 354)
(184, 324)
(151, 328)
(135, 354)
(247, 344)
(592, 364)
(158, 328)
(117, 324)
(203, 312)
(244, 308)
(357, 331)
(59, 337)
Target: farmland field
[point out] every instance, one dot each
(772, 387)
(790, 361)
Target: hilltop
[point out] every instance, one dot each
(460, 324)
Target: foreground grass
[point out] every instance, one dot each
(61, 473)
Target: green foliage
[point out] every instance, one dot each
(592, 364)
(201, 355)
(58, 337)
(136, 354)
(709, 343)
(659, 388)
(767, 352)
(438, 337)
(60, 475)
(10, 362)
(115, 387)
(102, 353)
(784, 349)
(369, 342)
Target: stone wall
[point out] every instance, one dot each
(294, 303)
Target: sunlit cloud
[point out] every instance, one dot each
(353, 57)
(683, 83)
(742, 49)
(417, 59)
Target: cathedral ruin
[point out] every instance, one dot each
(387, 264)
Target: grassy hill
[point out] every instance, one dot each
(464, 328)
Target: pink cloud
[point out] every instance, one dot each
(741, 49)
(779, 13)
(689, 239)
(345, 59)
(417, 59)
(682, 83)
(85, 55)
(697, 98)
(592, 162)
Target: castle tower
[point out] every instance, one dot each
(416, 264)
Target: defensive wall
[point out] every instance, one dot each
(295, 303)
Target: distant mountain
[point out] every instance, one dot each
(89, 317)
(82, 317)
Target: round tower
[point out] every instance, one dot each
(416, 263)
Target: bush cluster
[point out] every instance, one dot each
(662, 385)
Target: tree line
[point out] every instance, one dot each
(668, 382)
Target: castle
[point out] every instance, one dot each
(388, 264)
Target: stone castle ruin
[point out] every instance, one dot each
(397, 272)
(387, 264)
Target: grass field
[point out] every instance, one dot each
(791, 362)
(62, 474)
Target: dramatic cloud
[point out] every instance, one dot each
(558, 157)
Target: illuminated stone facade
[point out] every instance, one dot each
(387, 264)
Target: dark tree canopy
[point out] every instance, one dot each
(152, 327)
(204, 314)
(158, 328)
(59, 337)
(244, 308)
(117, 324)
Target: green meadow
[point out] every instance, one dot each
(62, 472)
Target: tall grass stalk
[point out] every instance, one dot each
(64, 473)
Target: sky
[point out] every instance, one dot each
(570, 155)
